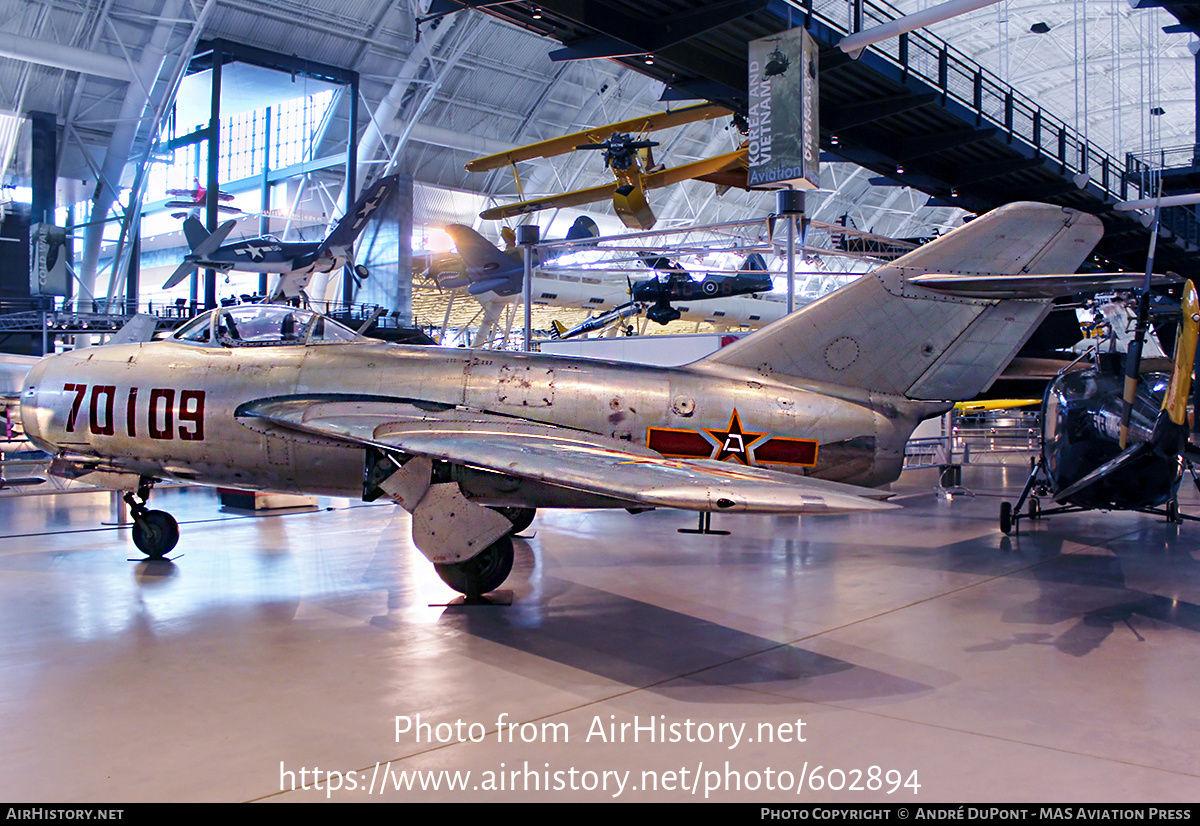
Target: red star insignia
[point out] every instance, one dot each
(734, 442)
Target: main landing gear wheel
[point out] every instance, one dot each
(155, 533)
(521, 518)
(480, 574)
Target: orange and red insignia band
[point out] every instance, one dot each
(748, 448)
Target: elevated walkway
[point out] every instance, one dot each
(911, 109)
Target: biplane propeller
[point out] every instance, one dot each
(629, 159)
(621, 151)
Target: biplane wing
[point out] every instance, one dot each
(565, 199)
(599, 134)
(725, 165)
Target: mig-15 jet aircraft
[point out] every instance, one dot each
(806, 416)
(294, 261)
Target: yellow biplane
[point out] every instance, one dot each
(630, 159)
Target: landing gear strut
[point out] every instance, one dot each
(154, 532)
(521, 518)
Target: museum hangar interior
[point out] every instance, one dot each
(299, 645)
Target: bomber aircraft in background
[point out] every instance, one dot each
(806, 416)
(296, 261)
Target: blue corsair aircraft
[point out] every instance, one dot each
(296, 261)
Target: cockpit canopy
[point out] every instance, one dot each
(1081, 420)
(262, 325)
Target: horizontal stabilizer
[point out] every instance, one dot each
(213, 242)
(181, 272)
(1035, 286)
(200, 251)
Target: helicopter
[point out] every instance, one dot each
(1116, 440)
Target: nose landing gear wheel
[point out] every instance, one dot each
(480, 574)
(155, 533)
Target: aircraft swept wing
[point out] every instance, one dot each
(568, 458)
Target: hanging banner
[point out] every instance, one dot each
(48, 250)
(784, 125)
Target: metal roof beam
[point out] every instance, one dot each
(995, 169)
(619, 35)
(60, 56)
(860, 114)
(920, 146)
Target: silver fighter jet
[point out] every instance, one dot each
(805, 416)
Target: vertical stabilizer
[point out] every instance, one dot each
(194, 232)
(887, 335)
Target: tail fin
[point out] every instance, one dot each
(754, 263)
(557, 328)
(885, 334)
(352, 223)
(202, 243)
(194, 232)
(137, 329)
(584, 227)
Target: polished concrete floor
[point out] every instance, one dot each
(910, 656)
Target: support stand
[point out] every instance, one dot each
(705, 526)
(497, 599)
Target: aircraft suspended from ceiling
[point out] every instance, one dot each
(295, 262)
(631, 160)
(195, 199)
(673, 283)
